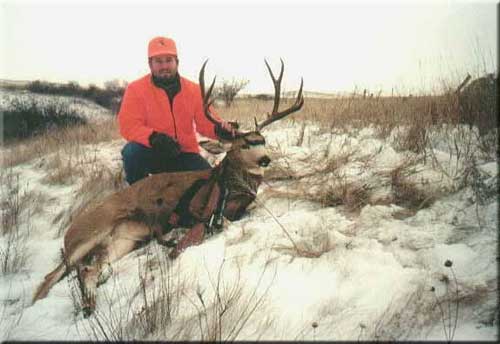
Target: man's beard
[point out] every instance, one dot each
(162, 77)
(167, 82)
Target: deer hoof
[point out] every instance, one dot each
(174, 253)
(106, 273)
(87, 311)
(168, 243)
(88, 303)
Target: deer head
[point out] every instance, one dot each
(247, 149)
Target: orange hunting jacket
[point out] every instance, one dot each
(146, 108)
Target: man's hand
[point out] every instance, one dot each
(164, 145)
(226, 130)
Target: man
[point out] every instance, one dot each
(158, 116)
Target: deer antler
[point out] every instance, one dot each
(207, 102)
(275, 115)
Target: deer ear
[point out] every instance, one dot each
(214, 147)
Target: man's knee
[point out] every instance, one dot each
(134, 151)
(136, 161)
(193, 162)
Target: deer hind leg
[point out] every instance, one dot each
(127, 237)
(88, 277)
(87, 288)
(96, 268)
(193, 237)
(49, 280)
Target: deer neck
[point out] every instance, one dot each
(239, 181)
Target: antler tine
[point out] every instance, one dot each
(207, 102)
(277, 84)
(275, 115)
(206, 96)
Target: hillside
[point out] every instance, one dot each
(347, 240)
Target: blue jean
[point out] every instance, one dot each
(139, 161)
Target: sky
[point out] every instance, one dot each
(336, 46)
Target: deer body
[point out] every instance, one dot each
(146, 201)
(131, 217)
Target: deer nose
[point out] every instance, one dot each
(264, 161)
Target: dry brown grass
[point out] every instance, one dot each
(402, 319)
(69, 140)
(413, 139)
(333, 114)
(163, 296)
(413, 117)
(327, 184)
(406, 192)
(14, 204)
(61, 170)
(328, 192)
(352, 112)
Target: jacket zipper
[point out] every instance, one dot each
(171, 103)
(172, 113)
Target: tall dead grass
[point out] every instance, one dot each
(15, 203)
(223, 313)
(157, 308)
(352, 112)
(148, 310)
(409, 124)
(403, 318)
(406, 192)
(69, 140)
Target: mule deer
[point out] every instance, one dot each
(157, 204)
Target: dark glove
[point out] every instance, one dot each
(223, 133)
(164, 145)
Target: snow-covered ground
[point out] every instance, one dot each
(361, 274)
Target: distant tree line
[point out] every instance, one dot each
(108, 97)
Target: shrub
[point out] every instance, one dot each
(57, 141)
(108, 97)
(27, 118)
(478, 103)
(229, 89)
(263, 96)
(408, 193)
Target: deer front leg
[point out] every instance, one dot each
(193, 237)
(235, 209)
(158, 231)
(161, 241)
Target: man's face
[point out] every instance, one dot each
(163, 66)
